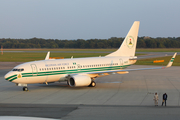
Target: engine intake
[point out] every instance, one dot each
(79, 81)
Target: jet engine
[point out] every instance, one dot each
(79, 81)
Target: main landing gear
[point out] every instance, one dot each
(93, 84)
(25, 89)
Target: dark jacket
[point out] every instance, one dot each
(165, 96)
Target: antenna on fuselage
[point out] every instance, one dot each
(47, 56)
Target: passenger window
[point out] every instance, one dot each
(22, 69)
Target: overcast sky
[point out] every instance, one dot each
(88, 19)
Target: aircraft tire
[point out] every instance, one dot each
(25, 89)
(93, 84)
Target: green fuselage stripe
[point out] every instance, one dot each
(11, 77)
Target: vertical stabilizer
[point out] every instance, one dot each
(128, 46)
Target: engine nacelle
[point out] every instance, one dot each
(79, 81)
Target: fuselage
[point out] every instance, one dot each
(45, 71)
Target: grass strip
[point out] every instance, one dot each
(166, 60)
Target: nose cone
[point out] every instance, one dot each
(10, 76)
(6, 76)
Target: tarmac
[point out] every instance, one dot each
(127, 96)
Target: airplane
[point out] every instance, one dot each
(80, 72)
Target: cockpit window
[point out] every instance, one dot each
(19, 70)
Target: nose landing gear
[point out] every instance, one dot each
(25, 89)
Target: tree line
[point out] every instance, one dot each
(114, 42)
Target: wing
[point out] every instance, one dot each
(124, 71)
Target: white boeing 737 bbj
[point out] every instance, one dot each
(79, 71)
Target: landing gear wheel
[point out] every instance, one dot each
(25, 89)
(93, 84)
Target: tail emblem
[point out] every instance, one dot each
(130, 41)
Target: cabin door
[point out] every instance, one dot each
(121, 63)
(79, 67)
(34, 69)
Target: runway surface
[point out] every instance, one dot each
(135, 88)
(128, 96)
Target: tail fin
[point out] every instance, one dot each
(128, 47)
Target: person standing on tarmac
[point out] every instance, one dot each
(164, 99)
(156, 99)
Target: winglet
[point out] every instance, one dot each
(47, 56)
(171, 61)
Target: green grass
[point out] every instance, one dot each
(166, 60)
(159, 50)
(65, 49)
(32, 56)
(25, 57)
(101, 50)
